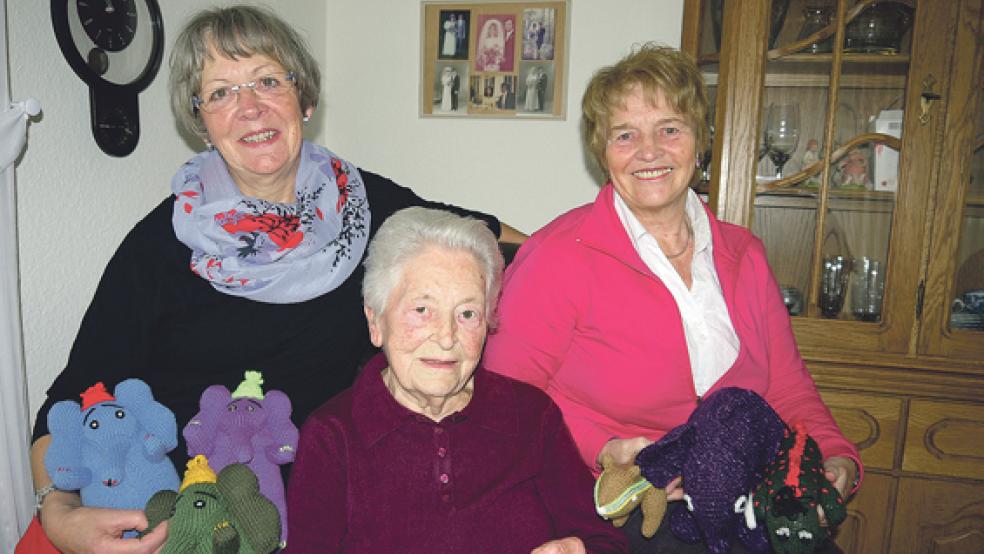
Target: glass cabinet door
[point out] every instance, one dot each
(831, 168)
(827, 177)
(954, 300)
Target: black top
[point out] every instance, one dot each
(152, 318)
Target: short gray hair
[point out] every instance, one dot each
(409, 232)
(236, 32)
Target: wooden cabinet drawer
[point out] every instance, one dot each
(871, 422)
(869, 515)
(944, 438)
(938, 517)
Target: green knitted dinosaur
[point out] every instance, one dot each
(792, 492)
(224, 514)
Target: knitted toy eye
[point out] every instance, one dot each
(231, 408)
(805, 535)
(250, 408)
(94, 424)
(199, 504)
(783, 533)
(120, 414)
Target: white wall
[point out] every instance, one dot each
(75, 203)
(526, 172)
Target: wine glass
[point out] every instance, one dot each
(763, 143)
(782, 134)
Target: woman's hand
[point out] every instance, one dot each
(76, 529)
(566, 545)
(841, 472)
(623, 451)
(674, 490)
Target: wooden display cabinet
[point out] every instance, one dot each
(893, 337)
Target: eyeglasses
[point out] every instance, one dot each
(223, 98)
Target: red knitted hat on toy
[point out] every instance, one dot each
(95, 394)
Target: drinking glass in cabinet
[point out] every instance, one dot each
(815, 18)
(782, 134)
(833, 285)
(878, 29)
(868, 288)
(792, 298)
(776, 19)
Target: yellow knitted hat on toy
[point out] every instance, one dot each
(197, 472)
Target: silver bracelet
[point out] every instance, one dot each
(41, 493)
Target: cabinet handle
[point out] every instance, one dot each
(926, 98)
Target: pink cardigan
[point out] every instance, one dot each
(584, 318)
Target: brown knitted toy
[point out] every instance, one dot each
(621, 488)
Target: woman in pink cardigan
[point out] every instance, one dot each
(628, 310)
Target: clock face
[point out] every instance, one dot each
(110, 24)
(110, 42)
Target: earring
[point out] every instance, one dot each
(209, 145)
(306, 118)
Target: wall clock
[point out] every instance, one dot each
(116, 47)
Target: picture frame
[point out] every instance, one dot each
(494, 59)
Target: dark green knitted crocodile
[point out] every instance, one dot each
(793, 490)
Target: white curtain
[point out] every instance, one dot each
(16, 490)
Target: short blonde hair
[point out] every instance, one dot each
(236, 32)
(656, 69)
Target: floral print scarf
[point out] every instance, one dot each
(268, 251)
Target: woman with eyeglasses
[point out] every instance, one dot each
(252, 263)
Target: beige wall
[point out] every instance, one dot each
(75, 204)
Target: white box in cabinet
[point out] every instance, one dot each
(886, 175)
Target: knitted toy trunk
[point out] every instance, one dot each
(721, 452)
(113, 447)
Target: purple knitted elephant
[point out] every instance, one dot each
(247, 427)
(721, 452)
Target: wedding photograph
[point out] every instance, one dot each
(453, 33)
(538, 33)
(449, 95)
(495, 48)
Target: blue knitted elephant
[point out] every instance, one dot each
(113, 448)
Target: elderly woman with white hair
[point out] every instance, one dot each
(427, 451)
